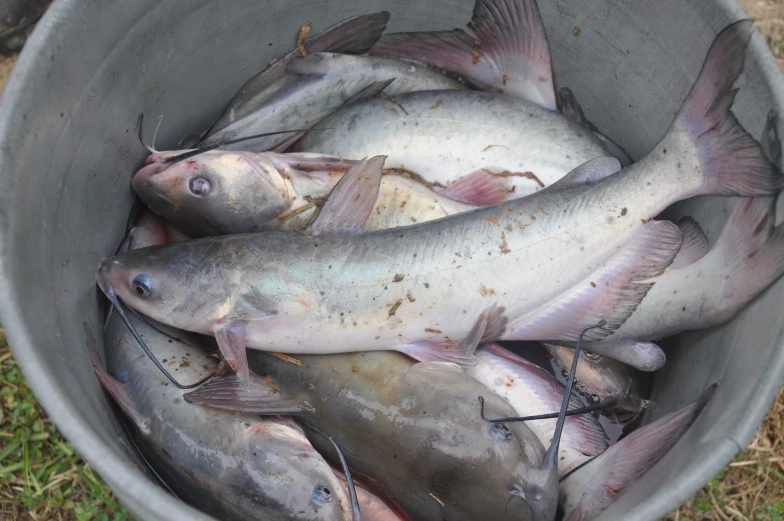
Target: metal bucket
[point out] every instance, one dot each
(68, 149)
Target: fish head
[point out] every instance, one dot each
(150, 230)
(280, 457)
(537, 488)
(214, 192)
(601, 379)
(177, 284)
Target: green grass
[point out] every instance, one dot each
(41, 476)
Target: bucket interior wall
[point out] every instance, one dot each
(67, 128)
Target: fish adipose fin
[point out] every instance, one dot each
(481, 188)
(695, 244)
(572, 111)
(349, 204)
(259, 396)
(589, 172)
(730, 160)
(117, 390)
(460, 353)
(590, 489)
(612, 293)
(510, 53)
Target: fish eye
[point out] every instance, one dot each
(199, 186)
(500, 432)
(142, 285)
(592, 356)
(321, 494)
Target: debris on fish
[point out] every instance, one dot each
(532, 391)
(445, 135)
(220, 193)
(337, 290)
(588, 490)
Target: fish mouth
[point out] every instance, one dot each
(517, 508)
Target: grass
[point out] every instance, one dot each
(42, 477)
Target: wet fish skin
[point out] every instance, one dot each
(601, 379)
(250, 192)
(354, 35)
(319, 83)
(402, 289)
(592, 488)
(239, 467)
(532, 391)
(414, 428)
(469, 131)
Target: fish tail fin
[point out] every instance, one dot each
(259, 396)
(509, 54)
(590, 489)
(751, 250)
(728, 160)
(117, 390)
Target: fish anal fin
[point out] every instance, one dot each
(612, 293)
(695, 244)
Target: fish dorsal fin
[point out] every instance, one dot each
(509, 54)
(349, 204)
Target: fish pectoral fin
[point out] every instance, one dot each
(349, 204)
(481, 188)
(259, 396)
(695, 244)
(611, 293)
(117, 390)
(486, 327)
(589, 172)
(591, 488)
(231, 341)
